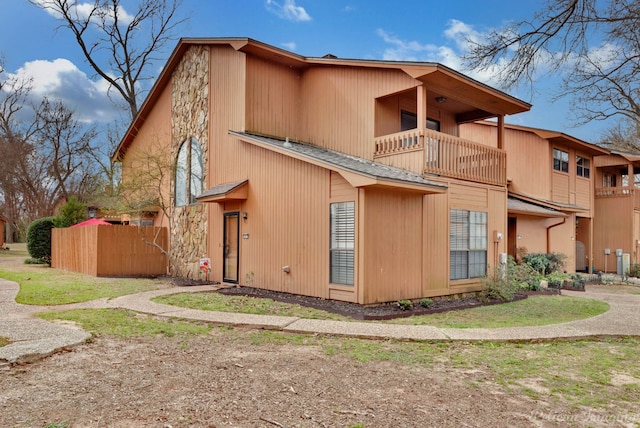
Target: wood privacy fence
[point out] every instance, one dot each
(101, 250)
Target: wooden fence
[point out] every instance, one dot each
(101, 250)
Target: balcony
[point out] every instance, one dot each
(444, 155)
(619, 192)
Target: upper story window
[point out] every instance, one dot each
(409, 121)
(189, 174)
(583, 167)
(608, 180)
(560, 160)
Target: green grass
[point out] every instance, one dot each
(536, 310)
(47, 286)
(126, 324)
(533, 311)
(3, 341)
(212, 301)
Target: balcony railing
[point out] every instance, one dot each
(448, 155)
(619, 192)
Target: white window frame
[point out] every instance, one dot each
(468, 243)
(342, 243)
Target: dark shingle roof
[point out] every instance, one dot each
(343, 161)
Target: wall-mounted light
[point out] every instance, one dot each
(244, 215)
(441, 99)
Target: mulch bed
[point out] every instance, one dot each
(369, 312)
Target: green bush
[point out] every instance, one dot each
(405, 305)
(634, 270)
(545, 263)
(498, 286)
(523, 276)
(426, 302)
(71, 213)
(39, 239)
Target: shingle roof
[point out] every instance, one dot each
(343, 161)
(520, 206)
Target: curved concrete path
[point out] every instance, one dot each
(33, 338)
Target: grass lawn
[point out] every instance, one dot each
(533, 311)
(536, 310)
(3, 341)
(41, 285)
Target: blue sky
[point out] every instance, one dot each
(370, 29)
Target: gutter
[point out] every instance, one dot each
(564, 220)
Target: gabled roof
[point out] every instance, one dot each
(236, 190)
(490, 101)
(357, 171)
(557, 137)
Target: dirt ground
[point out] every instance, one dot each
(229, 379)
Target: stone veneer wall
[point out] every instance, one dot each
(190, 119)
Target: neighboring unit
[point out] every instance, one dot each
(341, 179)
(551, 191)
(617, 210)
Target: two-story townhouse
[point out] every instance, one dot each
(341, 179)
(617, 209)
(551, 191)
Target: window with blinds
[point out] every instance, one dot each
(468, 244)
(342, 243)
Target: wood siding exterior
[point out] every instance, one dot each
(401, 248)
(110, 250)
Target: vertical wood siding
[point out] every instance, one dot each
(614, 222)
(109, 250)
(392, 246)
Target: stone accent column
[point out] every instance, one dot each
(190, 119)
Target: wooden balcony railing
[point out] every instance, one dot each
(619, 192)
(448, 155)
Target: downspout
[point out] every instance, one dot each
(564, 220)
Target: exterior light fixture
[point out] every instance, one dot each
(441, 99)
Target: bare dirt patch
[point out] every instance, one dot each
(227, 379)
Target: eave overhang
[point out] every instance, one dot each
(234, 191)
(558, 206)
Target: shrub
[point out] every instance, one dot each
(545, 263)
(634, 270)
(425, 303)
(39, 239)
(498, 286)
(405, 305)
(71, 213)
(523, 276)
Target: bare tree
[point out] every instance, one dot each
(131, 42)
(45, 155)
(595, 43)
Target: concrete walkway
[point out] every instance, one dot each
(32, 338)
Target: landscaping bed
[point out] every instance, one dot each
(371, 312)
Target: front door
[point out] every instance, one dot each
(231, 247)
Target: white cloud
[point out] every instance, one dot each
(288, 10)
(82, 11)
(290, 46)
(62, 80)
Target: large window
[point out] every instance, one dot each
(468, 244)
(188, 173)
(583, 167)
(560, 160)
(342, 243)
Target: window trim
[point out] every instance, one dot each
(583, 165)
(468, 244)
(342, 242)
(187, 183)
(561, 164)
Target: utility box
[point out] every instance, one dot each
(623, 260)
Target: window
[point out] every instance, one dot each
(583, 167)
(409, 121)
(560, 160)
(468, 244)
(342, 243)
(608, 180)
(188, 173)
